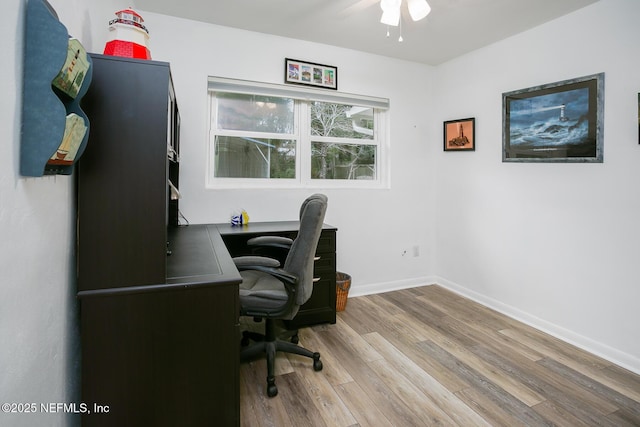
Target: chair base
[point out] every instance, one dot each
(270, 345)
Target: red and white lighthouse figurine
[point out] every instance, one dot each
(129, 37)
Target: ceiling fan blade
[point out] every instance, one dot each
(357, 7)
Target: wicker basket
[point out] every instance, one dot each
(343, 283)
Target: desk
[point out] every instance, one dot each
(167, 354)
(159, 334)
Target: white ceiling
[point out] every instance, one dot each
(453, 27)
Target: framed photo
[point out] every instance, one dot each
(310, 74)
(556, 122)
(460, 135)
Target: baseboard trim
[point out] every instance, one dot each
(608, 353)
(377, 288)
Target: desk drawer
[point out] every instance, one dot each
(327, 243)
(324, 262)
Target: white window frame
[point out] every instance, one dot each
(302, 135)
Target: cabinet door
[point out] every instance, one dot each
(122, 176)
(164, 358)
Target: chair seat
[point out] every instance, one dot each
(261, 291)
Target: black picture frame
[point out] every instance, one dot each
(556, 122)
(310, 74)
(459, 135)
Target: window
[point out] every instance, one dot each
(272, 135)
(342, 142)
(255, 137)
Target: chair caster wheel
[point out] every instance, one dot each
(317, 363)
(272, 390)
(295, 339)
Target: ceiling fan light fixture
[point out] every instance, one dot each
(391, 17)
(418, 9)
(390, 4)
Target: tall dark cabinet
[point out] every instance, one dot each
(123, 192)
(159, 332)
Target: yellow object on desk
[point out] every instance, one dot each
(240, 218)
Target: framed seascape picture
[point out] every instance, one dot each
(460, 135)
(556, 122)
(310, 74)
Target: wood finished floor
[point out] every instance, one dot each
(426, 356)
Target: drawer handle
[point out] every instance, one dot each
(316, 279)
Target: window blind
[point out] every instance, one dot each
(222, 84)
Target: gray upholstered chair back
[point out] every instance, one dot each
(301, 256)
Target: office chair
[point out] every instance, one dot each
(276, 247)
(273, 292)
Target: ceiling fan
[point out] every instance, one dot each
(391, 11)
(418, 9)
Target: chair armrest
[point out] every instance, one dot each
(288, 280)
(269, 266)
(271, 241)
(249, 262)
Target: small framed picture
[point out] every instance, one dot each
(460, 135)
(310, 74)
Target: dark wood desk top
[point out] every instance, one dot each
(263, 227)
(198, 258)
(198, 255)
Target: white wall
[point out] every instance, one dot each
(556, 245)
(39, 348)
(374, 226)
